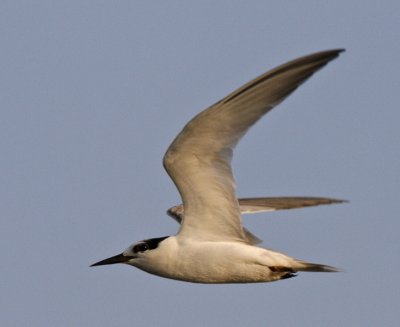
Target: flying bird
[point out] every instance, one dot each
(212, 246)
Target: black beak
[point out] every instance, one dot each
(120, 258)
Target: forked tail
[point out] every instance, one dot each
(314, 267)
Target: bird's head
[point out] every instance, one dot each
(133, 253)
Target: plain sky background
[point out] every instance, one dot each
(93, 92)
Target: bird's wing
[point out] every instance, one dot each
(256, 205)
(199, 159)
(177, 213)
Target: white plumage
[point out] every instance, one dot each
(212, 246)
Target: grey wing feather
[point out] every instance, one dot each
(255, 205)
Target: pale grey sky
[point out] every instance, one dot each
(93, 92)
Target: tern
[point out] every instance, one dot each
(212, 246)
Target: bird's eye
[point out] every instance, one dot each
(140, 247)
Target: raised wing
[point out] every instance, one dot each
(199, 159)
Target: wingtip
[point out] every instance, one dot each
(329, 200)
(335, 201)
(339, 50)
(339, 201)
(330, 54)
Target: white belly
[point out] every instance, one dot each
(213, 262)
